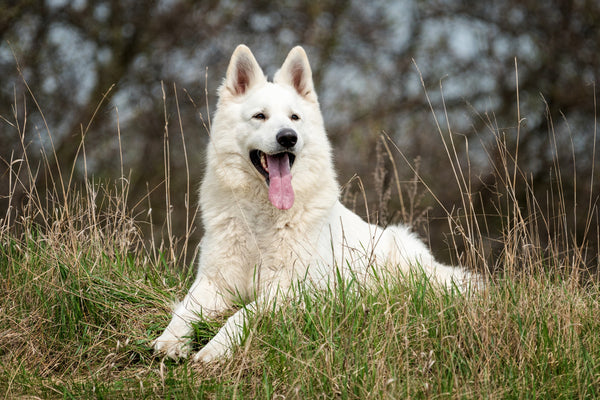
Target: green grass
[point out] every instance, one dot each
(83, 294)
(82, 330)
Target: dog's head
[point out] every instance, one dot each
(272, 131)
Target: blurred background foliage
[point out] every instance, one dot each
(122, 73)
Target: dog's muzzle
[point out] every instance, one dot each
(276, 168)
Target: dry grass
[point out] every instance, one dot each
(82, 295)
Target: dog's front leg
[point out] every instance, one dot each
(202, 300)
(230, 334)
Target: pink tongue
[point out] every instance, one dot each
(281, 193)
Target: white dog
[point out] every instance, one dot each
(270, 208)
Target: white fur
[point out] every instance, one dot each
(253, 251)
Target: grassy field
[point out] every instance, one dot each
(81, 329)
(82, 295)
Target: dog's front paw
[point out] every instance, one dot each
(172, 346)
(213, 351)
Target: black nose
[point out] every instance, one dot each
(287, 138)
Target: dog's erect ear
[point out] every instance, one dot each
(243, 71)
(296, 72)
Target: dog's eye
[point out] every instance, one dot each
(294, 117)
(259, 116)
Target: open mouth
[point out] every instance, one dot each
(276, 170)
(259, 160)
